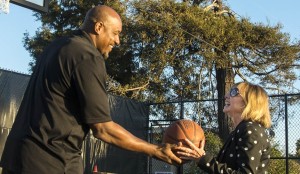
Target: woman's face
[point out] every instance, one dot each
(234, 103)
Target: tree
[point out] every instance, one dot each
(298, 148)
(177, 39)
(279, 165)
(175, 50)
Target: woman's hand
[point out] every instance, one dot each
(193, 153)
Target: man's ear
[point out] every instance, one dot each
(98, 27)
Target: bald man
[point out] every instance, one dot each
(65, 98)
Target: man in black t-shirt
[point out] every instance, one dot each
(65, 98)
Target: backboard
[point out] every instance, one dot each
(35, 5)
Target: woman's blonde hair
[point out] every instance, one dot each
(256, 103)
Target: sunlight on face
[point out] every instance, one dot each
(109, 36)
(234, 103)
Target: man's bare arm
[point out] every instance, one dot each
(113, 133)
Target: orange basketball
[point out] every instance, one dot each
(182, 129)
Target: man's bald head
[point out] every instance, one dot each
(100, 13)
(103, 25)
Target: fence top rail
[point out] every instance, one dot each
(189, 101)
(281, 95)
(179, 101)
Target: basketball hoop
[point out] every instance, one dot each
(4, 6)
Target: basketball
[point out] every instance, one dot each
(183, 129)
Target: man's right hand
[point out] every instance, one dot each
(165, 153)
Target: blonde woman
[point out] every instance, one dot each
(247, 149)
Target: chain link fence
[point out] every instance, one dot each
(285, 111)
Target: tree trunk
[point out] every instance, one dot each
(225, 79)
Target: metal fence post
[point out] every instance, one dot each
(286, 135)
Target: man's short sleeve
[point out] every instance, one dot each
(89, 78)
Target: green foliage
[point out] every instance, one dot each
(170, 49)
(294, 166)
(279, 165)
(213, 143)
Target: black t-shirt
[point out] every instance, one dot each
(66, 92)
